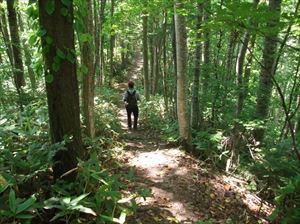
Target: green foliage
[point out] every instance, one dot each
(17, 208)
(152, 113)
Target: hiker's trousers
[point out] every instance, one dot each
(135, 112)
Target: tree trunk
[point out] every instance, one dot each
(89, 78)
(16, 49)
(112, 41)
(101, 41)
(240, 80)
(174, 54)
(266, 72)
(181, 55)
(61, 85)
(165, 74)
(196, 113)
(28, 57)
(5, 35)
(145, 53)
(206, 55)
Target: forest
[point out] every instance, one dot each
(218, 134)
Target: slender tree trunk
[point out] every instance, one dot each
(61, 86)
(174, 53)
(28, 57)
(230, 58)
(101, 41)
(165, 74)
(5, 35)
(196, 113)
(181, 55)
(239, 73)
(151, 56)
(266, 72)
(206, 55)
(145, 52)
(16, 49)
(89, 78)
(240, 80)
(112, 41)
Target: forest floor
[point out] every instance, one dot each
(182, 189)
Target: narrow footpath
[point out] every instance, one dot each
(182, 189)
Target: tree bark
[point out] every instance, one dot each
(206, 55)
(89, 78)
(196, 113)
(5, 35)
(61, 86)
(112, 41)
(16, 49)
(165, 73)
(28, 57)
(181, 56)
(101, 41)
(240, 80)
(145, 52)
(266, 72)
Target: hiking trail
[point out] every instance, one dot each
(182, 189)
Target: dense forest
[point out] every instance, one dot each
(218, 139)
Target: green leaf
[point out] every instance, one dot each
(66, 2)
(60, 53)
(84, 70)
(70, 58)
(56, 66)
(41, 32)
(78, 199)
(50, 7)
(26, 204)
(32, 39)
(85, 37)
(85, 210)
(3, 183)
(12, 201)
(49, 78)
(24, 216)
(49, 40)
(64, 11)
(58, 215)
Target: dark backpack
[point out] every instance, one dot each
(131, 99)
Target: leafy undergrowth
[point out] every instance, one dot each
(28, 193)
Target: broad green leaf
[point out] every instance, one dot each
(64, 11)
(49, 78)
(26, 204)
(41, 32)
(24, 216)
(60, 53)
(78, 199)
(66, 2)
(70, 57)
(85, 210)
(50, 7)
(58, 215)
(49, 40)
(12, 201)
(66, 200)
(32, 39)
(56, 66)
(3, 183)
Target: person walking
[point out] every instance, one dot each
(131, 98)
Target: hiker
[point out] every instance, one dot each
(130, 99)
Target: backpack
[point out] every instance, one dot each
(131, 99)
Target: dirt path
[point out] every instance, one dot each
(181, 190)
